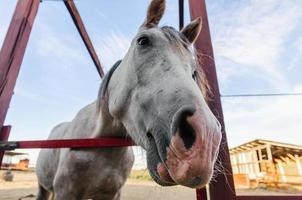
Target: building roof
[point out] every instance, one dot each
(13, 153)
(278, 148)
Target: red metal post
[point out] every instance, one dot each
(269, 197)
(201, 194)
(73, 11)
(223, 186)
(12, 52)
(181, 13)
(4, 134)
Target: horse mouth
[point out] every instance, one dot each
(188, 169)
(162, 172)
(154, 161)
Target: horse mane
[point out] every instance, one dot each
(182, 43)
(102, 95)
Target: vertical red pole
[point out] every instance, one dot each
(4, 134)
(223, 186)
(201, 194)
(12, 52)
(181, 13)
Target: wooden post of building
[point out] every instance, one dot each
(281, 170)
(297, 158)
(271, 168)
(255, 162)
(269, 152)
(260, 159)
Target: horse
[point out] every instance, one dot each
(157, 96)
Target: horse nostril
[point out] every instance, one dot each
(149, 136)
(185, 130)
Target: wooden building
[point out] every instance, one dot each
(15, 161)
(266, 162)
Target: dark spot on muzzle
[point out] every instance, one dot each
(194, 182)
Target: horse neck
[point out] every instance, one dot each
(106, 125)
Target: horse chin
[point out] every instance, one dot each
(167, 181)
(153, 162)
(155, 176)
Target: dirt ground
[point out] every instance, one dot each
(25, 183)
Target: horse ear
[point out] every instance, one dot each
(192, 30)
(155, 12)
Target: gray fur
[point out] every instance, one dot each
(82, 174)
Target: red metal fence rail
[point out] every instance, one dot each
(269, 197)
(67, 143)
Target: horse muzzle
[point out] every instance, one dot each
(193, 148)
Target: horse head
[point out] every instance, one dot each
(157, 96)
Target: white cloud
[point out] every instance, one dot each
(63, 48)
(250, 39)
(273, 118)
(253, 35)
(70, 51)
(112, 47)
(34, 96)
(60, 48)
(299, 44)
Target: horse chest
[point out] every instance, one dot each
(98, 172)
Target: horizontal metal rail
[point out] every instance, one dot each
(67, 143)
(261, 95)
(269, 197)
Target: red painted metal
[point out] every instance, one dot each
(12, 51)
(4, 134)
(74, 143)
(269, 198)
(181, 13)
(11, 55)
(223, 186)
(71, 7)
(201, 194)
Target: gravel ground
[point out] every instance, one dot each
(25, 183)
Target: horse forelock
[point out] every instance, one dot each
(176, 38)
(182, 43)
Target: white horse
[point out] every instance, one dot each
(155, 95)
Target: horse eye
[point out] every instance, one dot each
(143, 41)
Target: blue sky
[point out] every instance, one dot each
(257, 46)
